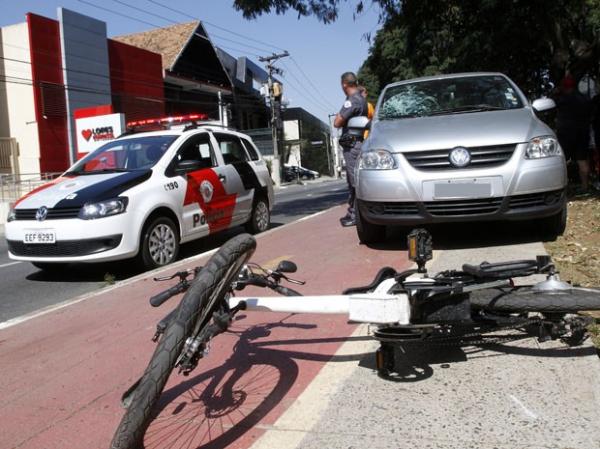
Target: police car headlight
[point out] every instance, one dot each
(376, 160)
(12, 215)
(544, 146)
(103, 209)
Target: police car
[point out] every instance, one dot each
(142, 195)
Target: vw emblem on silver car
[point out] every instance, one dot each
(460, 157)
(41, 213)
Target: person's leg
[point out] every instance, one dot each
(584, 173)
(582, 156)
(350, 181)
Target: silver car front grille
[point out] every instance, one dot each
(481, 157)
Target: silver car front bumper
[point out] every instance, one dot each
(519, 189)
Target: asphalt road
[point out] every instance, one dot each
(24, 288)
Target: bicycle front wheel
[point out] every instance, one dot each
(525, 299)
(204, 296)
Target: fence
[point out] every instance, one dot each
(12, 187)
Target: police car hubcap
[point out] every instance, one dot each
(162, 244)
(262, 216)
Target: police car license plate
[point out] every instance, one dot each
(37, 237)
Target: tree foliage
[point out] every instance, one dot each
(530, 40)
(527, 39)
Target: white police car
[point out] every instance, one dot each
(143, 195)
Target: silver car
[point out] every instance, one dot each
(455, 148)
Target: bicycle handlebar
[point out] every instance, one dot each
(161, 297)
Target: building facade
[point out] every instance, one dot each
(54, 72)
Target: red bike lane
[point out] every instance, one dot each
(63, 372)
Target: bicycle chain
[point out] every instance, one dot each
(463, 340)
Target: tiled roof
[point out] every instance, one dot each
(168, 41)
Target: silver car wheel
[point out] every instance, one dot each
(162, 244)
(261, 216)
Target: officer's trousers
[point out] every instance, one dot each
(351, 157)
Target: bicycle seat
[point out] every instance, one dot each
(501, 270)
(384, 273)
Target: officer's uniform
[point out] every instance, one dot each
(354, 106)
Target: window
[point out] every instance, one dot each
(448, 96)
(251, 150)
(136, 153)
(197, 148)
(231, 148)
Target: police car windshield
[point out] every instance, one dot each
(138, 153)
(458, 95)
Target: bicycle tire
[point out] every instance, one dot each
(525, 299)
(137, 418)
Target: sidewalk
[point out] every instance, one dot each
(63, 373)
(295, 381)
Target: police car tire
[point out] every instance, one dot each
(368, 232)
(145, 258)
(198, 302)
(257, 225)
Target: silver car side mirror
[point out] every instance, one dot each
(543, 104)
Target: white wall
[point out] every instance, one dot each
(17, 106)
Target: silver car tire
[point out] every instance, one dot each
(368, 232)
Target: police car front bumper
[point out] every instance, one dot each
(76, 240)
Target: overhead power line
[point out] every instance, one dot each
(245, 36)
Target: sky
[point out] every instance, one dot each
(322, 52)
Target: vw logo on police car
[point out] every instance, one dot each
(41, 213)
(460, 157)
(206, 189)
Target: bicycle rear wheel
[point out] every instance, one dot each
(525, 299)
(195, 311)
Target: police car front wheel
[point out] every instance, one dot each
(160, 243)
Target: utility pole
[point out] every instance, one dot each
(270, 60)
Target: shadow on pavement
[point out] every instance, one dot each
(308, 205)
(466, 235)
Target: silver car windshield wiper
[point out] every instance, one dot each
(466, 109)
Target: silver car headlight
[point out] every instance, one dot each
(12, 215)
(543, 146)
(102, 209)
(376, 160)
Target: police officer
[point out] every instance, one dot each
(354, 106)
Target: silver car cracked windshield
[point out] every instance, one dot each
(457, 148)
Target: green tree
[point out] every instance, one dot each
(526, 39)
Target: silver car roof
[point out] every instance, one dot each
(446, 76)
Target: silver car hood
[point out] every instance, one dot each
(449, 131)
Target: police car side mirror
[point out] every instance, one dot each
(359, 123)
(185, 166)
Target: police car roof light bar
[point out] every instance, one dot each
(164, 122)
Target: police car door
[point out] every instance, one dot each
(238, 174)
(206, 203)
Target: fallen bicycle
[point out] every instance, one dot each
(453, 307)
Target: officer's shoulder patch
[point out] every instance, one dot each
(347, 104)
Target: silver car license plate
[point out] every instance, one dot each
(462, 190)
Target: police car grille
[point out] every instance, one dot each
(481, 157)
(65, 248)
(464, 207)
(53, 214)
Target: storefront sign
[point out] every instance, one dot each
(93, 132)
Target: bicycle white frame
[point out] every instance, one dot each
(378, 307)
